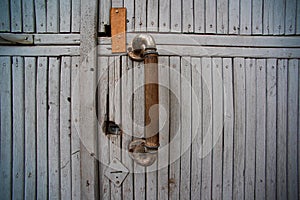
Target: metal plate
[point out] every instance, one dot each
(116, 172)
(118, 30)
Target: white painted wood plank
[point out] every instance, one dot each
(281, 129)
(138, 126)
(292, 138)
(56, 39)
(40, 16)
(140, 8)
(39, 51)
(290, 17)
(16, 15)
(210, 11)
(30, 128)
(129, 5)
(75, 140)
(250, 128)
(245, 17)
(186, 131)
(279, 17)
(52, 16)
(164, 15)
(196, 161)
(217, 127)
(28, 16)
(65, 128)
(176, 16)
(6, 128)
(298, 130)
(87, 88)
(257, 17)
(103, 147)
(151, 181)
(222, 16)
(239, 128)
(188, 16)
(65, 16)
(127, 81)
(271, 130)
(207, 136)
(104, 15)
(164, 127)
(5, 17)
(75, 19)
(117, 3)
(260, 151)
(234, 17)
(228, 129)
(152, 15)
(199, 16)
(174, 154)
(42, 119)
(114, 115)
(18, 127)
(53, 128)
(268, 17)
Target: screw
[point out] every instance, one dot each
(117, 11)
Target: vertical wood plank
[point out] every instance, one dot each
(16, 15)
(239, 128)
(6, 128)
(164, 101)
(65, 16)
(75, 140)
(298, 21)
(127, 81)
(138, 127)
(75, 19)
(217, 127)
(40, 15)
(152, 15)
(140, 16)
(52, 16)
(103, 147)
(5, 16)
(298, 130)
(53, 128)
(268, 17)
(114, 115)
(292, 119)
(187, 16)
(30, 128)
(271, 130)
(257, 17)
(186, 131)
(260, 151)
(196, 160)
(234, 17)
(164, 15)
(206, 186)
(210, 10)
(176, 16)
(104, 10)
(279, 17)
(228, 129)
(174, 168)
(65, 128)
(18, 128)
(199, 16)
(290, 17)
(250, 128)
(245, 17)
(281, 129)
(42, 124)
(87, 108)
(117, 3)
(129, 5)
(222, 16)
(28, 16)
